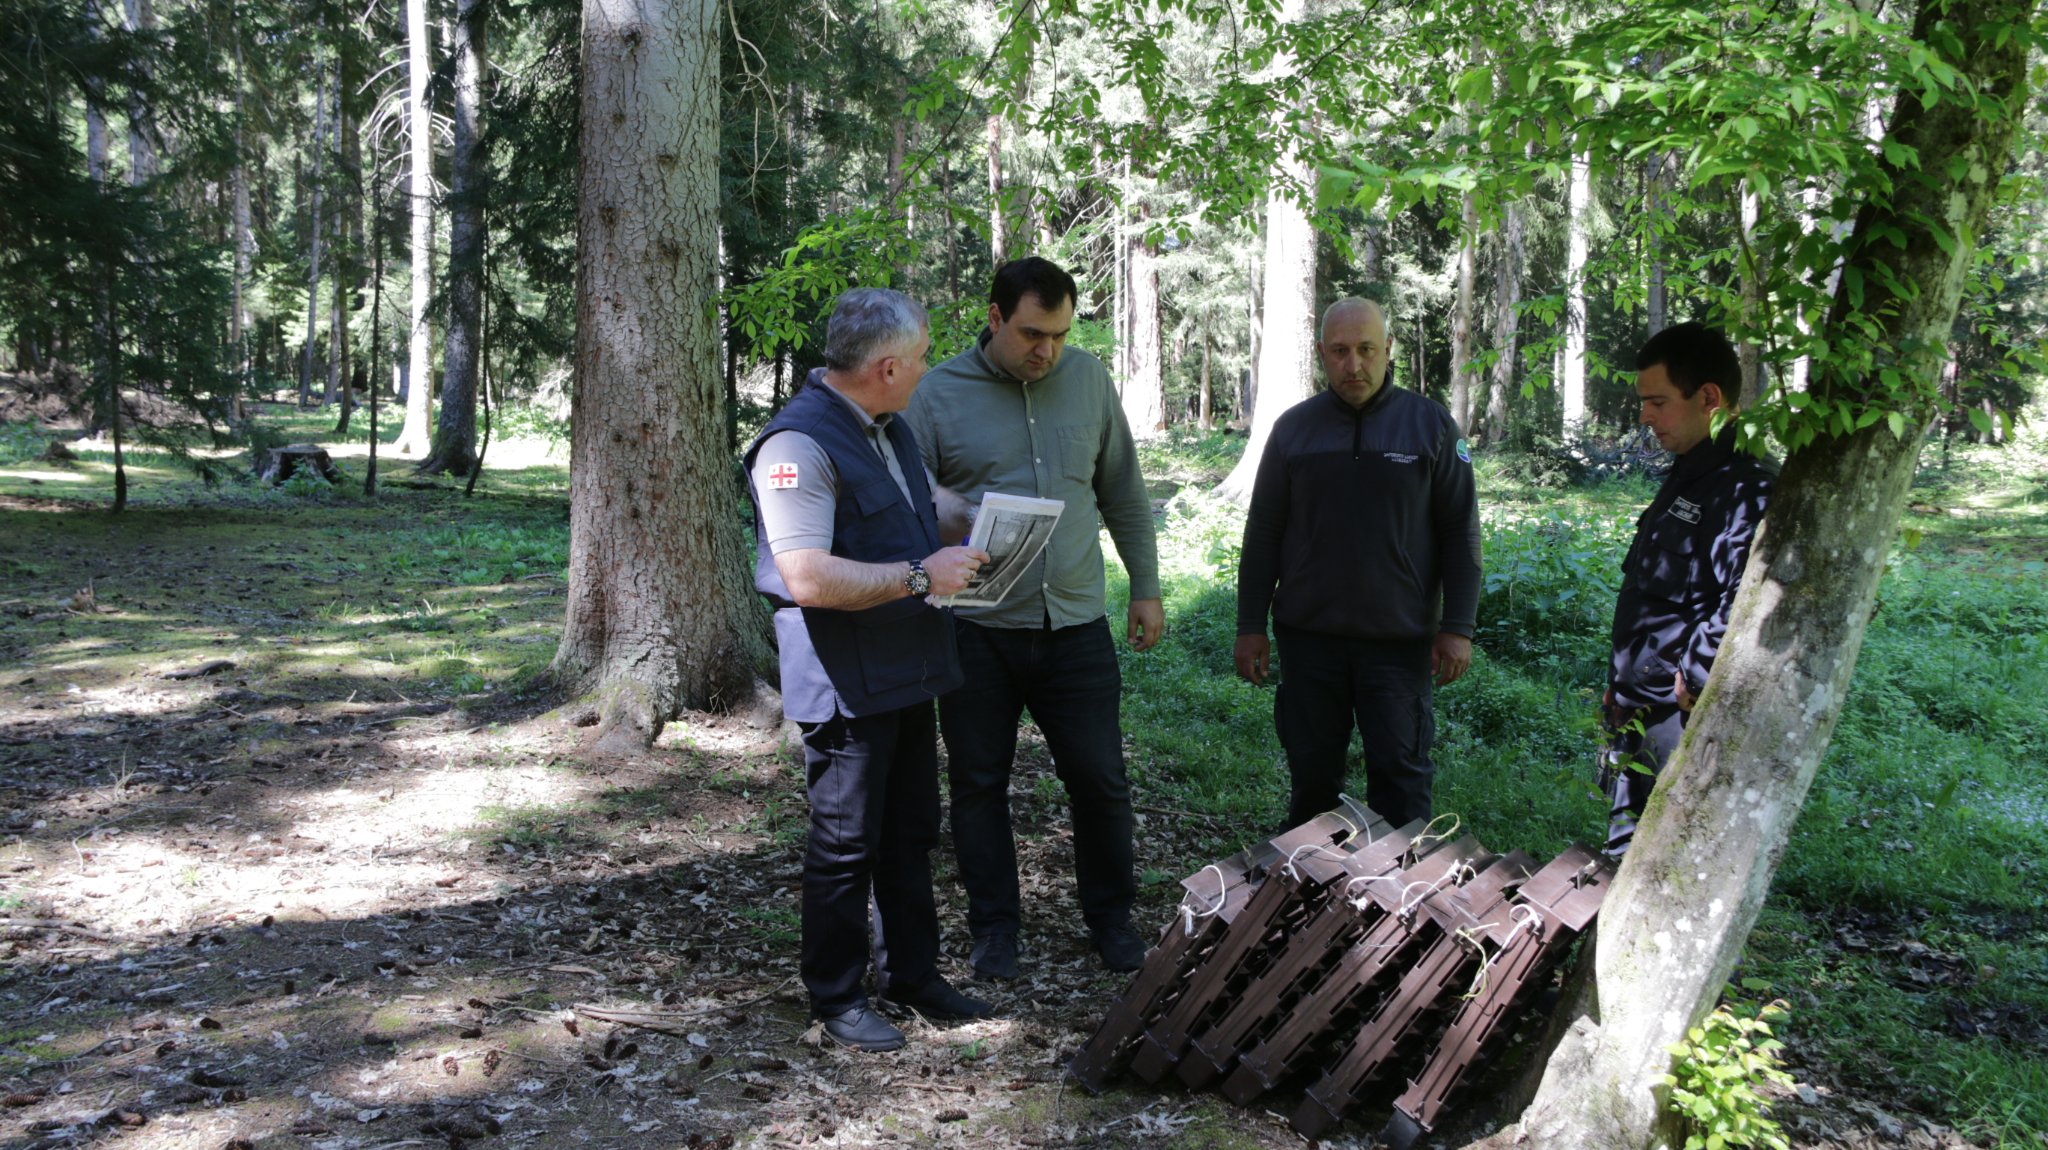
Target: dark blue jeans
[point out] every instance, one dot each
(1070, 681)
(1327, 683)
(1646, 738)
(874, 790)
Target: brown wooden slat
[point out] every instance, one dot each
(1274, 911)
(1307, 956)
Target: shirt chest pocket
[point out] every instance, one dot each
(1668, 561)
(878, 495)
(1075, 450)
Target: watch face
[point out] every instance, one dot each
(919, 582)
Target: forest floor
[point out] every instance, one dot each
(294, 854)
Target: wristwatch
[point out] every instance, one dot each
(918, 582)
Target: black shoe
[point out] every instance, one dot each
(1120, 947)
(995, 957)
(860, 1028)
(937, 1001)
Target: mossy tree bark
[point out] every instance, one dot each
(662, 614)
(1702, 860)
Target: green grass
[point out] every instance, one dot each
(1924, 832)
(1925, 827)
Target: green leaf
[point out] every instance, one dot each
(1475, 85)
(1897, 423)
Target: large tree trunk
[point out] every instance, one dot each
(139, 17)
(414, 437)
(1657, 169)
(455, 436)
(337, 249)
(1673, 926)
(1749, 354)
(1574, 382)
(662, 612)
(376, 321)
(106, 349)
(1507, 298)
(1145, 388)
(313, 234)
(1464, 379)
(1286, 330)
(998, 241)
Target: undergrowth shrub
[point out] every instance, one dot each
(1714, 1085)
(1548, 585)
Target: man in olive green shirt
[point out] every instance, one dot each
(1022, 413)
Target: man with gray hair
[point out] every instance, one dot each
(850, 557)
(1363, 543)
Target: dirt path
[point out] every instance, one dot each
(269, 878)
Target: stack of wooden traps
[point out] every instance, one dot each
(1351, 949)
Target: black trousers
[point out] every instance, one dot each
(1069, 679)
(874, 791)
(1327, 684)
(1639, 743)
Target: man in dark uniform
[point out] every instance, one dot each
(1363, 541)
(1682, 570)
(849, 555)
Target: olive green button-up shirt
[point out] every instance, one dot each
(1063, 437)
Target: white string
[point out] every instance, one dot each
(1297, 852)
(1360, 902)
(1188, 916)
(1429, 835)
(1454, 874)
(1478, 986)
(1353, 829)
(1534, 921)
(1523, 915)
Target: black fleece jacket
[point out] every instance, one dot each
(1363, 523)
(1681, 573)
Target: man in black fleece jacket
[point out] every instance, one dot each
(1363, 542)
(1680, 576)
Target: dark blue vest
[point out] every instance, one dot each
(883, 658)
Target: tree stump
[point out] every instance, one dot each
(281, 462)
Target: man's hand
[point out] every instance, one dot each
(1685, 697)
(956, 515)
(951, 567)
(1253, 655)
(1147, 623)
(1449, 657)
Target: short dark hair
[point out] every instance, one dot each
(1695, 355)
(1040, 277)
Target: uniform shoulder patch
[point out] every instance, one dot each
(1464, 451)
(782, 477)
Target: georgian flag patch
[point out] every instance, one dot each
(782, 477)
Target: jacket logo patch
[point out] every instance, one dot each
(1464, 451)
(1684, 509)
(782, 476)
(1398, 456)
